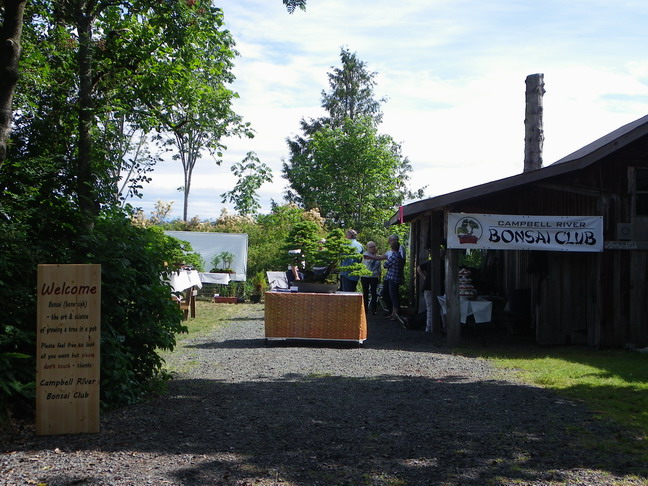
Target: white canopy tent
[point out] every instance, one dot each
(208, 245)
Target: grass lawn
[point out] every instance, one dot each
(210, 316)
(612, 383)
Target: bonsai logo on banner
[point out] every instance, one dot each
(468, 230)
(521, 232)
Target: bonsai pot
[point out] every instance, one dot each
(225, 300)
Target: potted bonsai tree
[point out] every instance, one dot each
(259, 286)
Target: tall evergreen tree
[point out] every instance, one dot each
(340, 163)
(351, 92)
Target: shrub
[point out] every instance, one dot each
(138, 316)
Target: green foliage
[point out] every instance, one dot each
(341, 165)
(93, 75)
(194, 260)
(364, 172)
(268, 235)
(138, 316)
(472, 258)
(183, 86)
(16, 380)
(251, 173)
(224, 257)
(352, 92)
(125, 69)
(228, 258)
(305, 236)
(291, 5)
(259, 282)
(338, 249)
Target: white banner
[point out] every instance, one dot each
(514, 232)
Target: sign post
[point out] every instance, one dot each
(67, 349)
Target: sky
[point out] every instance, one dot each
(453, 73)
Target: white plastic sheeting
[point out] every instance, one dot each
(208, 245)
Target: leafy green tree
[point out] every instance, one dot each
(336, 250)
(82, 74)
(251, 173)
(353, 174)
(341, 164)
(305, 236)
(351, 95)
(10, 51)
(187, 96)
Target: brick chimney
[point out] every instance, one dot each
(533, 131)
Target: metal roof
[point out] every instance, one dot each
(577, 160)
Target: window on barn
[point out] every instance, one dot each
(641, 192)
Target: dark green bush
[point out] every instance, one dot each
(138, 316)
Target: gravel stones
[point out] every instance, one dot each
(400, 410)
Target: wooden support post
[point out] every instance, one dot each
(436, 228)
(453, 325)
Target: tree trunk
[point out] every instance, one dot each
(9, 57)
(185, 206)
(85, 176)
(533, 130)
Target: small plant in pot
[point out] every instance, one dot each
(259, 287)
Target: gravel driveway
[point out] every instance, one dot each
(401, 410)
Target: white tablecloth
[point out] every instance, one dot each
(215, 278)
(183, 279)
(481, 310)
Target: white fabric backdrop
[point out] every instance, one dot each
(209, 244)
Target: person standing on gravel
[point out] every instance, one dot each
(385, 290)
(395, 265)
(425, 272)
(370, 282)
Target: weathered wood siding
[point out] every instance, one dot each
(596, 298)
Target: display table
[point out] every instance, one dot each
(215, 278)
(481, 310)
(186, 281)
(297, 315)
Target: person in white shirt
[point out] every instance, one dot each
(348, 282)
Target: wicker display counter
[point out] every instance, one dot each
(296, 315)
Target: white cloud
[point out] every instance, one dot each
(454, 74)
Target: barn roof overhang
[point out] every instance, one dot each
(577, 160)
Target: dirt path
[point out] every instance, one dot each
(400, 410)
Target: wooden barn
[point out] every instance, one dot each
(597, 297)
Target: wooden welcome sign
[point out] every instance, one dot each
(67, 349)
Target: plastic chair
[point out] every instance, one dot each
(277, 280)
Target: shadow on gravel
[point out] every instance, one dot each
(312, 429)
(385, 430)
(381, 334)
